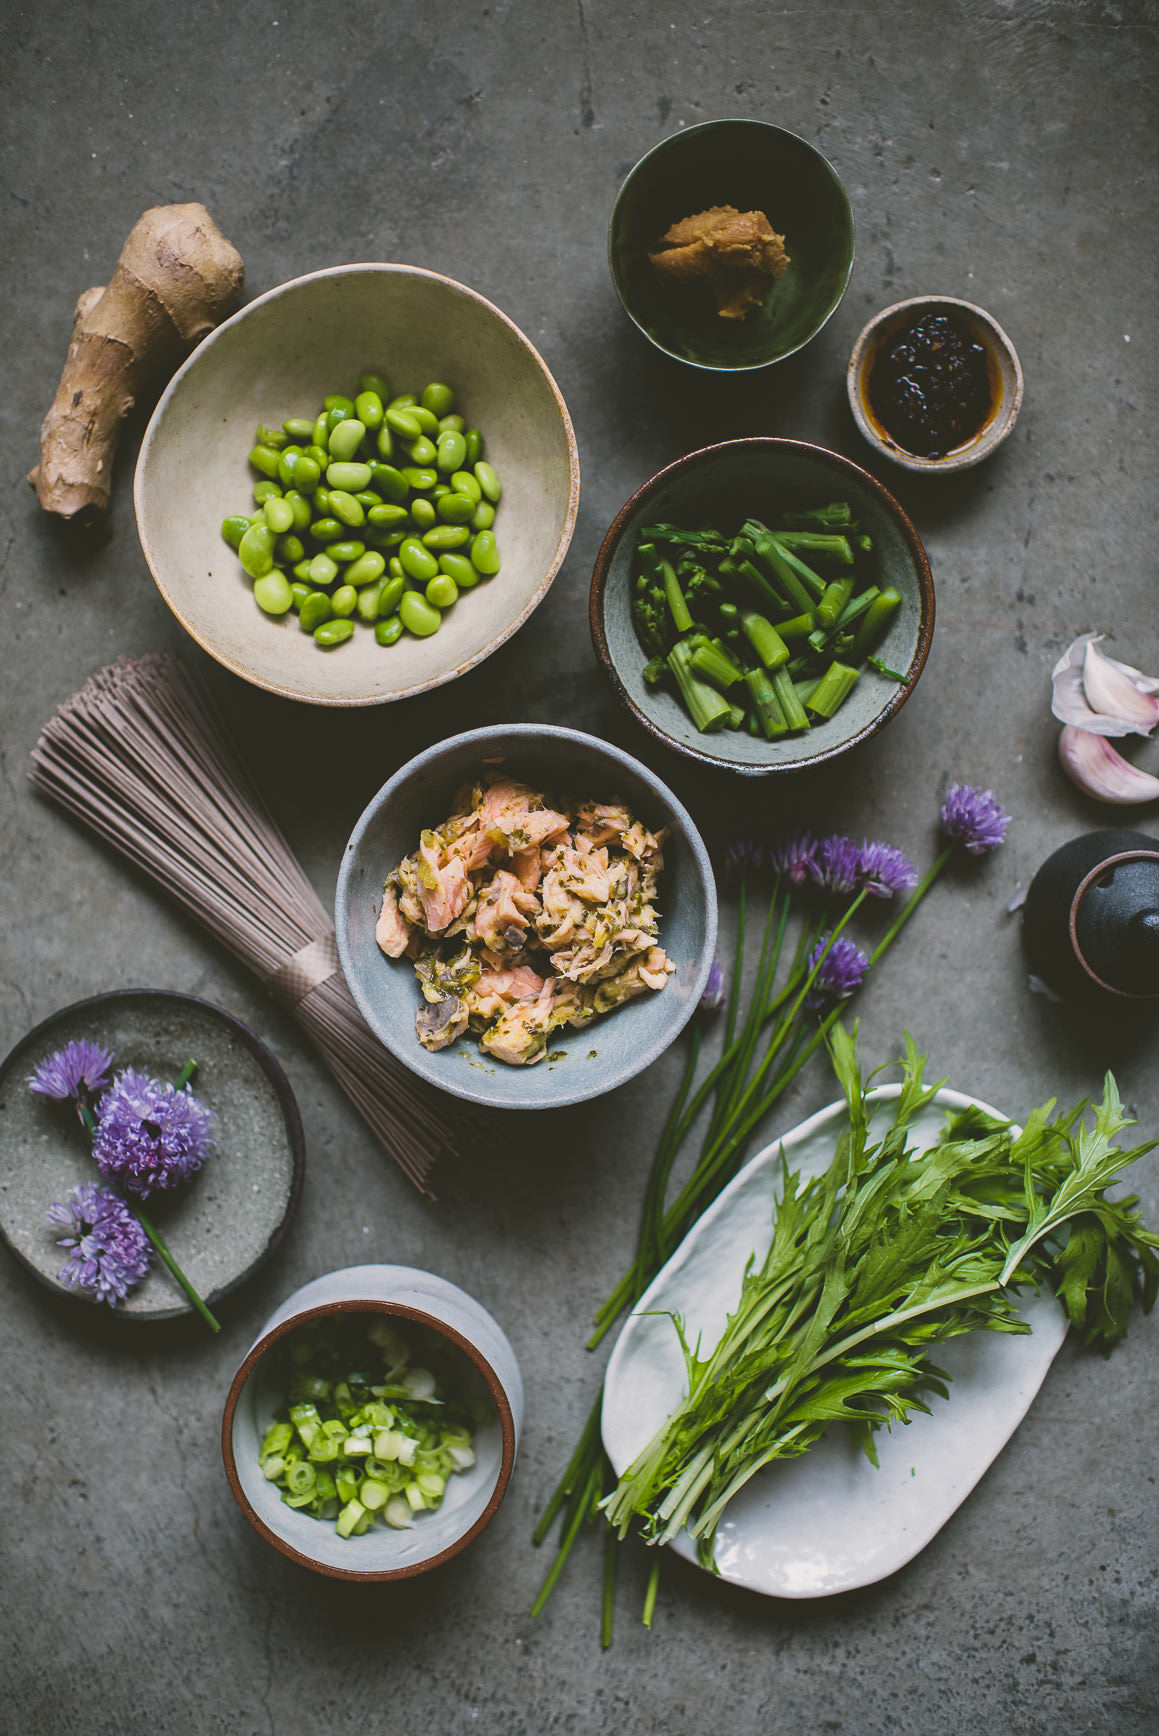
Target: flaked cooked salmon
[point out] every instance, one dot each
(523, 916)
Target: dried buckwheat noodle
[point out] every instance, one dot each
(140, 757)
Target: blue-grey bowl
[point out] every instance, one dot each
(581, 1063)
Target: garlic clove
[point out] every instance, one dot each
(1092, 691)
(1100, 770)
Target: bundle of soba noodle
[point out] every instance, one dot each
(139, 755)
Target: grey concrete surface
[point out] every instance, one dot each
(1002, 150)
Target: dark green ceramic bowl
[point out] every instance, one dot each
(756, 167)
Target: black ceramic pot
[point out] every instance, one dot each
(1091, 918)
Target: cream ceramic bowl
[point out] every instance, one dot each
(278, 358)
(1002, 365)
(406, 1295)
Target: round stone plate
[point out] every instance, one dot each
(224, 1223)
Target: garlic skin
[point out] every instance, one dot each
(1091, 691)
(1100, 770)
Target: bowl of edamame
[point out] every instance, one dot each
(762, 606)
(359, 486)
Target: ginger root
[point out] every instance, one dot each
(176, 279)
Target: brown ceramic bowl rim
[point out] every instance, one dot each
(400, 1311)
(1084, 886)
(268, 683)
(772, 444)
(992, 433)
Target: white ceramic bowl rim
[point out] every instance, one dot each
(992, 432)
(402, 1311)
(289, 287)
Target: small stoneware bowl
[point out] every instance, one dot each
(1004, 373)
(754, 167)
(722, 486)
(406, 1296)
(278, 358)
(580, 1064)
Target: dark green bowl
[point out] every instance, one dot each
(756, 167)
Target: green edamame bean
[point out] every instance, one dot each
(382, 537)
(455, 508)
(367, 497)
(390, 483)
(459, 568)
(255, 551)
(488, 479)
(417, 615)
(402, 401)
(446, 536)
(314, 611)
(287, 462)
(485, 553)
(344, 600)
(265, 490)
(442, 591)
(332, 633)
(474, 446)
(300, 591)
(323, 570)
(369, 567)
(452, 424)
(388, 632)
(451, 451)
(274, 437)
(338, 401)
(422, 452)
(427, 420)
(463, 481)
(301, 509)
(371, 381)
(417, 561)
(265, 459)
(320, 455)
(326, 530)
(384, 440)
(402, 423)
(483, 516)
(233, 529)
(338, 414)
(420, 478)
(392, 590)
(289, 550)
(368, 603)
(320, 433)
(343, 506)
(298, 428)
(388, 514)
(395, 568)
(368, 408)
(345, 552)
(346, 438)
(347, 476)
(278, 513)
(438, 398)
(272, 593)
(301, 570)
(423, 512)
(306, 475)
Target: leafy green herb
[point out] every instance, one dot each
(874, 1263)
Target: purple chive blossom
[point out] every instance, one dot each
(840, 972)
(838, 865)
(78, 1070)
(886, 871)
(108, 1249)
(974, 819)
(149, 1136)
(743, 857)
(795, 857)
(712, 999)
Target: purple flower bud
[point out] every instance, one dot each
(149, 1135)
(886, 871)
(838, 866)
(743, 858)
(795, 857)
(712, 999)
(108, 1250)
(77, 1070)
(974, 819)
(840, 973)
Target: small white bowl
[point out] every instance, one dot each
(1003, 366)
(279, 357)
(472, 1497)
